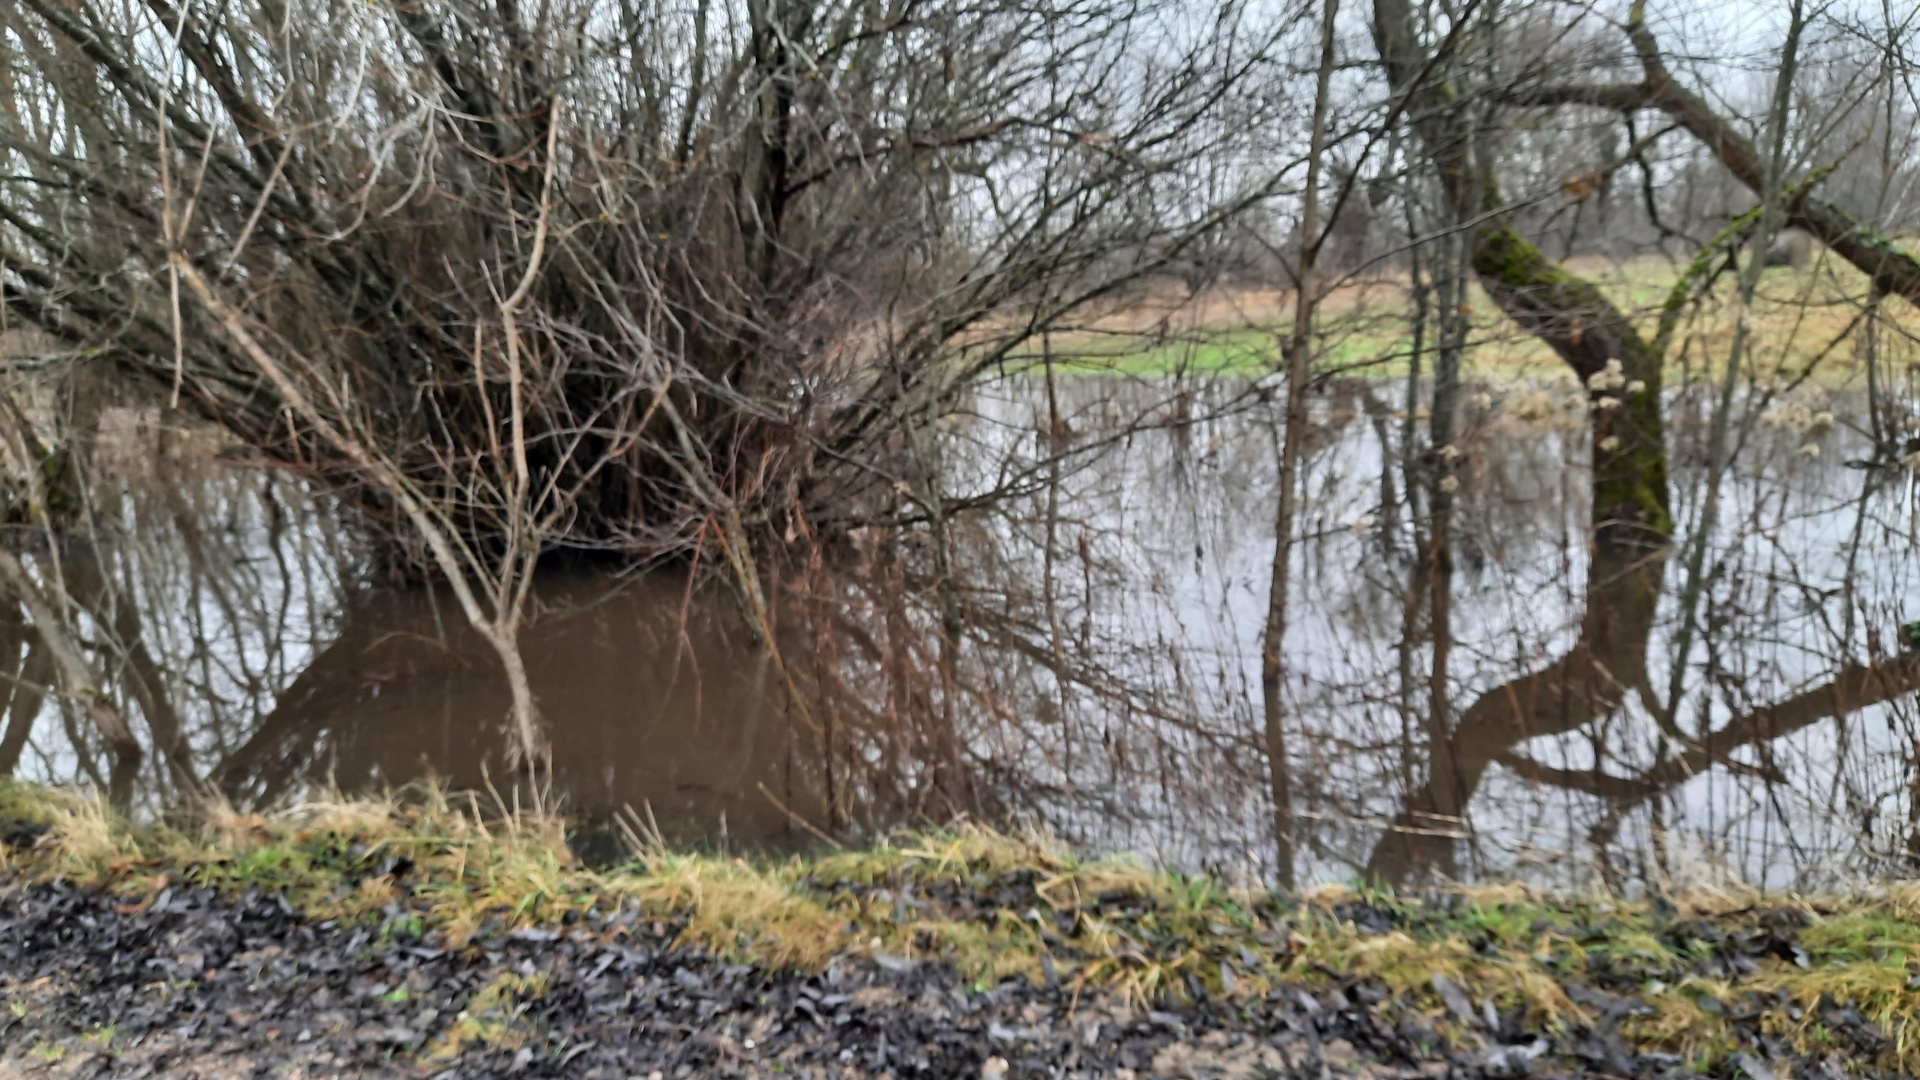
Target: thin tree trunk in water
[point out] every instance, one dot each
(23, 705)
(926, 453)
(1299, 365)
(1772, 217)
(1414, 601)
(1442, 763)
(26, 662)
(506, 645)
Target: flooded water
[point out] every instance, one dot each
(1091, 662)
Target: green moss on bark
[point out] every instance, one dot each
(1630, 477)
(1630, 503)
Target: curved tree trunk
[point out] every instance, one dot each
(1566, 312)
(1607, 661)
(1891, 268)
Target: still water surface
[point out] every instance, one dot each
(1103, 678)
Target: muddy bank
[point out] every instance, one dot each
(193, 983)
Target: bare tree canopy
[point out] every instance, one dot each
(699, 261)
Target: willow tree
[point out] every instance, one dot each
(1457, 93)
(1564, 311)
(609, 276)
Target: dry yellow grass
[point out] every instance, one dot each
(1804, 318)
(1001, 905)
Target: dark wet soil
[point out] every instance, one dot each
(191, 983)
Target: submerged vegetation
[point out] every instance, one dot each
(1707, 976)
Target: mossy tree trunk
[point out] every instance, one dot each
(1892, 269)
(1568, 313)
(1620, 369)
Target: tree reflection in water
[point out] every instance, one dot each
(1109, 691)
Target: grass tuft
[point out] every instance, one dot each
(1836, 976)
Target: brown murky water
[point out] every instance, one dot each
(1108, 689)
(659, 700)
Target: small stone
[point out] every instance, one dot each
(898, 965)
(1456, 1000)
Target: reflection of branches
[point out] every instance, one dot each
(81, 684)
(392, 697)
(1856, 687)
(1589, 682)
(117, 616)
(282, 749)
(25, 691)
(157, 572)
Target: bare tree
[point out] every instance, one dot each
(607, 277)
(1298, 353)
